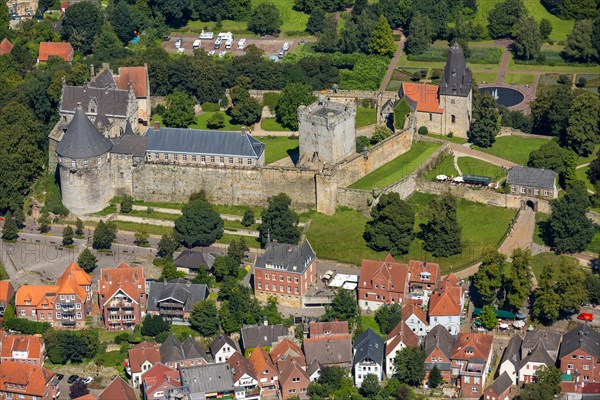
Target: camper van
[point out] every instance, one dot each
(197, 44)
(225, 35)
(242, 44)
(286, 46)
(218, 43)
(206, 35)
(228, 43)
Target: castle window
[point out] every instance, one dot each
(212, 159)
(546, 193)
(453, 119)
(249, 161)
(175, 157)
(85, 163)
(73, 163)
(240, 161)
(194, 158)
(230, 160)
(203, 158)
(430, 116)
(221, 160)
(166, 156)
(99, 160)
(156, 156)
(184, 157)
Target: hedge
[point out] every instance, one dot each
(401, 111)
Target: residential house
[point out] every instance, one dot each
(537, 358)
(382, 282)
(511, 359)
(5, 47)
(213, 381)
(191, 260)
(262, 335)
(438, 351)
(285, 271)
(62, 50)
(368, 351)
(222, 348)
(579, 391)
(313, 371)
(415, 318)
(118, 389)
(423, 279)
(471, 360)
(500, 389)
(550, 338)
(158, 381)
(293, 379)
(316, 329)
(399, 338)
(265, 372)
(446, 305)
(122, 297)
(175, 354)
(286, 351)
(532, 182)
(174, 300)
(142, 357)
(329, 344)
(28, 382)
(64, 305)
(7, 291)
(23, 348)
(244, 378)
(580, 354)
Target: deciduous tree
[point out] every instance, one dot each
(153, 325)
(279, 222)
(225, 266)
(488, 318)
(442, 233)
(10, 231)
(503, 17)
(410, 368)
(87, 260)
(78, 227)
(582, 131)
(44, 222)
(435, 377)
(550, 110)
(67, 236)
(343, 307)
(517, 280)
(170, 272)
(180, 110)
(204, 318)
(388, 316)
(248, 218)
(545, 28)
(370, 386)
(486, 124)
(316, 21)
(419, 34)
(167, 245)
(199, 224)
(560, 160)
(528, 39)
(488, 278)
(104, 235)
(382, 40)
(392, 225)
(81, 24)
(265, 19)
(292, 96)
(579, 45)
(327, 41)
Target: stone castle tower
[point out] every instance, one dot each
(327, 132)
(84, 166)
(456, 93)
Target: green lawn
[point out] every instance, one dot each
(453, 139)
(365, 116)
(446, 167)
(540, 260)
(237, 210)
(278, 147)
(202, 119)
(271, 125)
(514, 148)
(405, 62)
(581, 174)
(571, 68)
(560, 28)
(594, 245)
(591, 157)
(474, 166)
(368, 321)
(339, 237)
(485, 77)
(397, 168)
(518, 79)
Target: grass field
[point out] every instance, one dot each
(538, 261)
(453, 139)
(446, 167)
(594, 245)
(591, 157)
(271, 125)
(278, 147)
(397, 168)
(365, 116)
(339, 237)
(485, 76)
(202, 119)
(514, 148)
(518, 79)
(560, 28)
(474, 166)
(405, 62)
(571, 68)
(368, 321)
(581, 174)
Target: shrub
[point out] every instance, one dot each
(450, 134)
(416, 76)
(211, 107)
(564, 80)
(400, 113)
(216, 121)
(423, 73)
(581, 82)
(127, 204)
(436, 74)
(423, 130)
(270, 100)
(159, 109)
(380, 134)
(362, 143)
(367, 103)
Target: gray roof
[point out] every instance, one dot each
(262, 335)
(180, 290)
(194, 258)
(331, 350)
(195, 141)
(442, 366)
(502, 383)
(220, 341)
(81, 139)
(439, 337)
(457, 79)
(313, 367)
(532, 177)
(130, 143)
(551, 341)
(512, 353)
(208, 378)
(294, 258)
(538, 355)
(369, 346)
(172, 350)
(103, 79)
(581, 337)
(110, 101)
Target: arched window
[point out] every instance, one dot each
(454, 119)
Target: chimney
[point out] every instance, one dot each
(79, 106)
(156, 126)
(92, 71)
(266, 321)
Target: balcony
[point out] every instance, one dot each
(68, 322)
(172, 311)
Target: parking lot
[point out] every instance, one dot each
(270, 46)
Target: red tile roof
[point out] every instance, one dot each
(5, 47)
(240, 366)
(472, 345)
(414, 309)
(88, 396)
(63, 50)
(125, 278)
(394, 274)
(286, 350)
(142, 352)
(160, 377)
(7, 291)
(118, 389)
(327, 328)
(138, 76)
(31, 344)
(426, 96)
(33, 377)
(446, 300)
(293, 370)
(261, 362)
(400, 334)
(418, 267)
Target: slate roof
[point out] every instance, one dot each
(118, 389)
(551, 341)
(103, 80)
(130, 143)
(440, 338)
(313, 367)
(208, 378)
(111, 102)
(368, 346)
(196, 141)
(262, 335)
(501, 383)
(457, 79)
(193, 258)
(172, 350)
(239, 366)
(329, 349)
(82, 139)
(180, 290)
(582, 337)
(538, 355)
(220, 341)
(289, 257)
(512, 353)
(532, 177)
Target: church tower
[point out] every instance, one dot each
(84, 166)
(456, 93)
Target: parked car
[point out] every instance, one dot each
(178, 43)
(206, 35)
(228, 43)
(88, 380)
(211, 53)
(281, 53)
(242, 44)
(586, 316)
(218, 43)
(286, 46)
(73, 379)
(197, 44)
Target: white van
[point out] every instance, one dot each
(206, 35)
(197, 44)
(225, 35)
(241, 44)
(228, 43)
(286, 46)
(218, 43)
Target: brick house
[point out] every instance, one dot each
(7, 291)
(293, 379)
(285, 351)
(438, 351)
(471, 358)
(316, 329)
(500, 389)
(423, 279)
(158, 381)
(382, 282)
(122, 297)
(141, 358)
(244, 377)
(286, 272)
(446, 305)
(580, 354)
(64, 305)
(399, 338)
(27, 382)
(329, 344)
(265, 372)
(24, 349)
(118, 389)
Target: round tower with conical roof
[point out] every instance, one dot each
(84, 166)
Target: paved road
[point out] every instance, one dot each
(458, 149)
(393, 64)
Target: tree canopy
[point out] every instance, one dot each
(391, 227)
(81, 25)
(180, 110)
(292, 96)
(199, 224)
(442, 234)
(486, 124)
(265, 19)
(279, 221)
